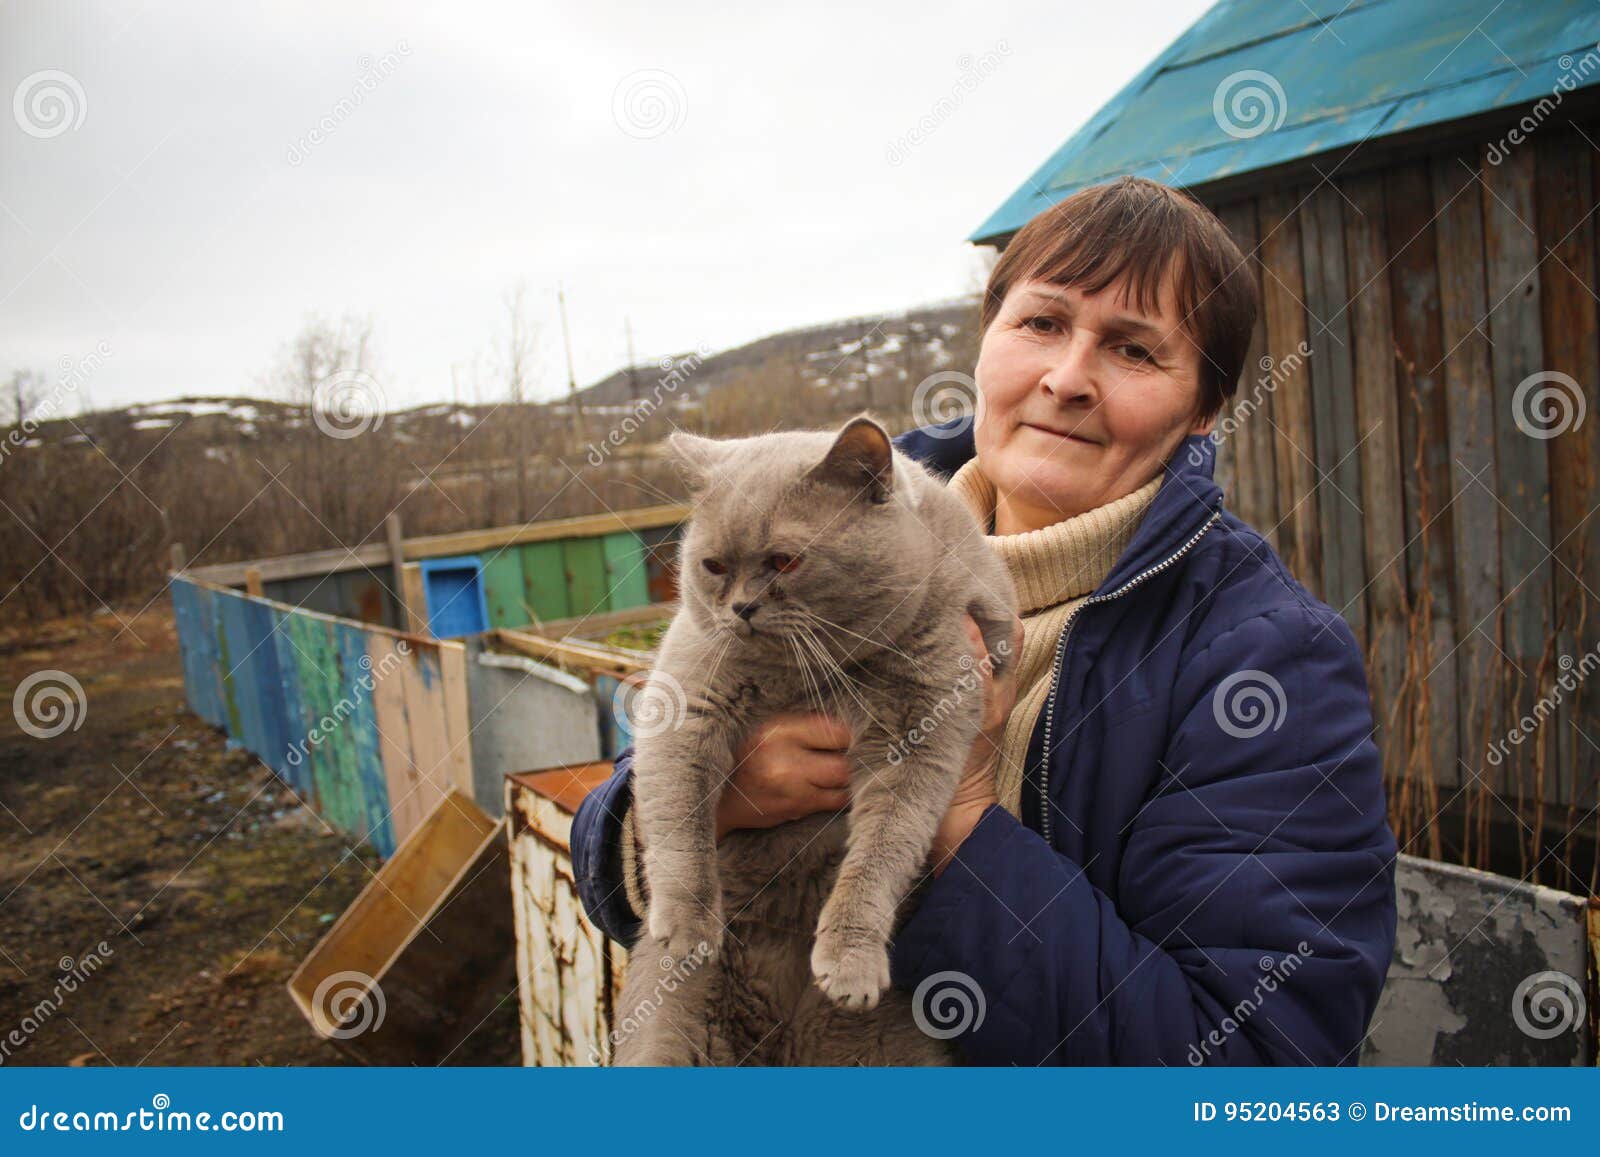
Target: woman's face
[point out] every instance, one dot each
(1084, 397)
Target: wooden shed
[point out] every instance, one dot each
(1415, 182)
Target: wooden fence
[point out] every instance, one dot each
(368, 725)
(1412, 436)
(565, 568)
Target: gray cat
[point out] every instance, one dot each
(819, 572)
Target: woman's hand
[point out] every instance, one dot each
(976, 791)
(790, 767)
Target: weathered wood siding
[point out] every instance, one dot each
(1390, 439)
(367, 725)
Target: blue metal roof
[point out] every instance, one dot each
(1256, 83)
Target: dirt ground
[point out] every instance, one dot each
(206, 879)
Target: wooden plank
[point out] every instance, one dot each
(1244, 429)
(394, 537)
(571, 653)
(544, 581)
(1458, 231)
(414, 598)
(626, 581)
(1566, 178)
(298, 770)
(1516, 351)
(585, 564)
(431, 931)
(1333, 406)
(1294, 443)
(316, 562)
(457, 718)
(365, 744)
(1434, 740)
(252, 582)
(422, 682)
(400, 774)
(503, 588)
(316, 657)
(238, 680)
(582, 526)
(262, 621)
(1377, 417)
(197, 646)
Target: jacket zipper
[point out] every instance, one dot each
(1060, 657)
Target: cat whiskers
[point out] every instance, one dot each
(813, 617)
(806, 634)
(814, 694)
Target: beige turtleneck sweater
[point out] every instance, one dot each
(1054, 570)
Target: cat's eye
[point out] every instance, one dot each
(784, 563)
(713, 566)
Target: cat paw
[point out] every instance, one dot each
(686, 930)
(853, 976)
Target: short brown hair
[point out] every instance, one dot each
(1139, 229)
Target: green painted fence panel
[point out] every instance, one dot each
(502, 588)
(544, 580)
(587, 589)
(627, 577)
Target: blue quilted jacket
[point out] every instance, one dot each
(1203, 871)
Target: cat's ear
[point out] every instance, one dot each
(695, 457)
(861, 460)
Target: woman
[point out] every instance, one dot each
(1170, 847)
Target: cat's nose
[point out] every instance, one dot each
(744, 610)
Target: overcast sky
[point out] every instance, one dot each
(714, 172)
